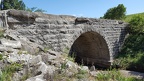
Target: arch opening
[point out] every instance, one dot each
(90, 48)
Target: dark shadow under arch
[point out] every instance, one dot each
(91, 48)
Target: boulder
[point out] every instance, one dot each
(22, 58)
(72, 67)
(11, 43)
(47, 58)
(85, 68)
(42, 68)
(22, 14)
(7, 49)
(35, 60)
(31, 47)
(36, 78)
(92, 68)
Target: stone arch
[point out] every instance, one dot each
(91, 48)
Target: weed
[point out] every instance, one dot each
(8, 71)
(114, 75)
(20, 52)
(46, 49)
(24, 77)
(71, 58)
(66, 50)
(1, 33)
(1, 56)
(81, 74)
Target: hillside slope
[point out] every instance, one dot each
(128, 17)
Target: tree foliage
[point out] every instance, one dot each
(137, 24)
(35, 9)
(18, 5)
(115, 12)
(12, 4)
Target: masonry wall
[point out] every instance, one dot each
(60, 31)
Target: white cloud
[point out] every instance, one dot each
(78, 15)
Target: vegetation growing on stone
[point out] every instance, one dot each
(1, 33)
(1, 56)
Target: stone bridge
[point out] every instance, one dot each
(93, 41)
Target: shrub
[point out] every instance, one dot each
(137, 24)
(132, 53)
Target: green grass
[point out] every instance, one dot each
(1, 33)
(129, 17)
(1, 56)
(82, 74)
(8, 71)
(114, 75)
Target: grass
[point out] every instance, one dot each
(22, 52)
(46, 49)
(1, 56)
(82, 74)
(8, 71)
(26, 76)
(129, 17)
(114, 75)
(1, 33)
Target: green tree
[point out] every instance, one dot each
(12, 4)
(137, 24)
(115, 12)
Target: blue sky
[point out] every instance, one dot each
(85, 8)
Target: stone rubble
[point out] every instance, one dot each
(38, 67)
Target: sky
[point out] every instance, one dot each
(84, 8)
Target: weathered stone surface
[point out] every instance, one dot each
(10, 43)
(92, 68)
(35, 60)
(22, 14)
(15, 58)
(85, 68)
(72, 67)
(31, 47)
(7, 49)
(36, 78)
